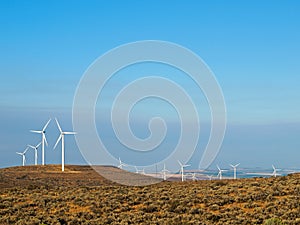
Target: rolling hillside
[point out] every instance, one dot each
(45, 195)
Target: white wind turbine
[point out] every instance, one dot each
(136, 169)
(275, 171)
(35, 151)
(44, 140)
(142, 171)
(194, 178)
(220, 172)
(121, 164)
(164, 172)
(234, 169)
(62, 138)
(210, 177)
(182, 166)
(23, 155)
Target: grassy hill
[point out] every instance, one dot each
(52, 176)
(45, 195)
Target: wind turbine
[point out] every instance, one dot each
(44, 140)
(220, 172)
(210, 177)
(62, 138)
(194, 178)
(35, 151)
(136, 169)
(275, 171)
(23, 155)
(121, 164)
(182, 166)
(164, 172)
(234, 169)
(142, 171)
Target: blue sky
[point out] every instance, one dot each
(253, 48)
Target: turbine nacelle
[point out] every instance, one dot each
(35, 147)
(234, 166)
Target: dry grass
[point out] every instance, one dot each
(43, 195)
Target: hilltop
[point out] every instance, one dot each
(45, 195)
(74, 175)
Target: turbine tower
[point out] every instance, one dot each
(182, 166)
(220, 172)
(234, 169)
(35, 152)
(23, 155)
(164, 172)
(62, 138)
(44, 140)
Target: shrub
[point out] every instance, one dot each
(273, 221)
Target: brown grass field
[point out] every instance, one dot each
(45, 195)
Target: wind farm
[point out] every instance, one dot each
(184, 191)
(182, 172)
(149, 112)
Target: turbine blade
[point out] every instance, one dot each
(69, 132)
(58, 125)
(231, 165)
(57, 141)
(44, 136)
(19, 153)
(218, 167)
(31, 146)
(25, 150)
(44, 128)
(36, 131)
(38, 145)
(179, 163)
